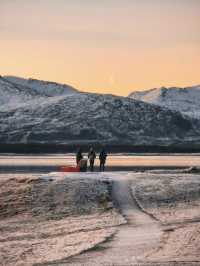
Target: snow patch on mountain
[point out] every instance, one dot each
(45, 88)
(18, 92)
(12, 96)
(94, 118)
(33, 111)
(185, 100)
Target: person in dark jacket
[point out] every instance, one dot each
(102, 159)
(79, 156)
(91, 157)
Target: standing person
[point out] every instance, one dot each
(91, 157)
(79, 156)
(102, 159)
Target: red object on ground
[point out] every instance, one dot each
(70, 169)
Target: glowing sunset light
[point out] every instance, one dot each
(103, 46)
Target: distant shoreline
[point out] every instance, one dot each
(38, 148)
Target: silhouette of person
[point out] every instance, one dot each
(79, 156)
(91, 157)
(102, 159)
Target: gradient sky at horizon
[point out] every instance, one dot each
(107, 46)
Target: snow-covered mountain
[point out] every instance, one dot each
(38, 115)
(11, 95)
(184, 100)
(45, 88)
(16, 92)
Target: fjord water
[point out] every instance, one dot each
(116, 162)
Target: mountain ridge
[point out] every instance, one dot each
(185, 100)
(85, 118)
(48, 88)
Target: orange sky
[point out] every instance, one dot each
(109, 46)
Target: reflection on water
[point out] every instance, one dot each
(185, 160)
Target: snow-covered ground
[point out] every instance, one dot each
(174, 200)
(49, 218)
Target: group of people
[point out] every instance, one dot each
(82, 163)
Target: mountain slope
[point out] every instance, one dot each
(44, 88)
(96, 118)
(33, 111)
(13, 96)
(184, 100)
(17, 92)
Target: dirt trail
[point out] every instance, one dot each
(132, 242)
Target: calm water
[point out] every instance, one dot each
(46, 163)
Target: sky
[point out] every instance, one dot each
(105, 46)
